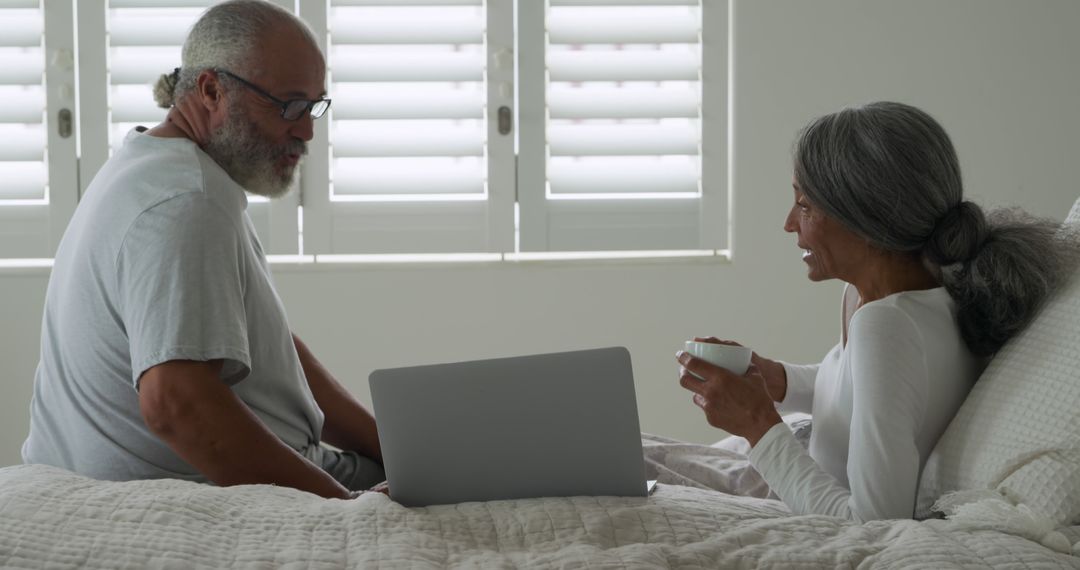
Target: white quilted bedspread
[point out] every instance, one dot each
(55, 519)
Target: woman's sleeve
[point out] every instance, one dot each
(889, 377)
(800, 388)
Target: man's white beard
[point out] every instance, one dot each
(251, 160)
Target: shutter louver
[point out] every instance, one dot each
(409, 95)
(623, 99)
(23, 169)
(415, 161)
(619, 104)
(38, 166)
(145, 38)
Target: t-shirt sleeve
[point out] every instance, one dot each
(180, 283)
(889, 386)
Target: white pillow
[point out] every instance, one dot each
(1018, 432)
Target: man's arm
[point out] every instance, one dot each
(349, 425)
(185, 404)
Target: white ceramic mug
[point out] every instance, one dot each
(734, 358)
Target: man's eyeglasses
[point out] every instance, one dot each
(292, 109)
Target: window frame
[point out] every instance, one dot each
(516, 220)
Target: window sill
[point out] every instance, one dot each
(330, 262)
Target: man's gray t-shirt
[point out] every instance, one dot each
(160, 262)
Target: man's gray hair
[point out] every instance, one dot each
(225, 36)
(889, 172)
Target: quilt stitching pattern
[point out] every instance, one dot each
(49, 517)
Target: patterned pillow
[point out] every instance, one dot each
(1018, 432)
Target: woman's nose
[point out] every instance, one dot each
(789, 222)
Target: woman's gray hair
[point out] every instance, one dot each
(889, 172)
(225, 37)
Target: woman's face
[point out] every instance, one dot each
(830, 250)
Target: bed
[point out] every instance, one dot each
(1001, 489)
(55, 519)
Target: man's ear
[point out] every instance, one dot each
(213, 98)
(208, 88)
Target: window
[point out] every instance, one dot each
(125, 45)
(38, 186)
(458, 126)
(623, 115)
(414, 164)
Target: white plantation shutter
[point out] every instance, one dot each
(415, 164)
(38, 182)
(586, 125)
(144, 41)
(623, 125)
(22, 117)
(141, 40)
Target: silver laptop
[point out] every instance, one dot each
(547, 425)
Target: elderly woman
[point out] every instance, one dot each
(933, 288)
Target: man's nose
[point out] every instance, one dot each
(303, 128)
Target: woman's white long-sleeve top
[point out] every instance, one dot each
(879, 405)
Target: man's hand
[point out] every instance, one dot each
(185, 404)
(383, 488)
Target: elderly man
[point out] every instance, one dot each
(165, 349)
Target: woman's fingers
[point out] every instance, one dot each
(730, 402)
(692, 383)
(698, 367)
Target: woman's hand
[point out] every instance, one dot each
(739, 405)
(192, 117)
(773, 372)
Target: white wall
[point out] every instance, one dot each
(999, 74)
